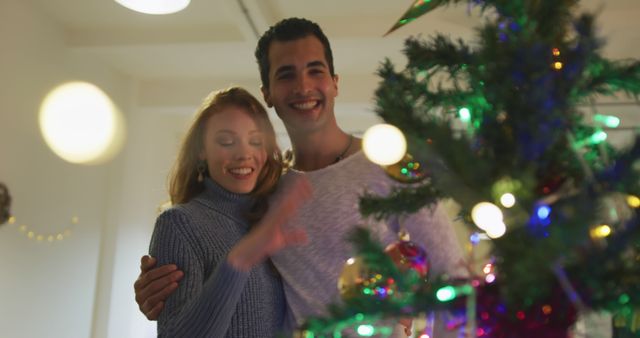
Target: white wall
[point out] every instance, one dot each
(46, 289)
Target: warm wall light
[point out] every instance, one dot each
(155, 6)
(81, 124)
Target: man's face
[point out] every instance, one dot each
(301, 87)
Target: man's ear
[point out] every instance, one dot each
(266, 96)
(335, 82)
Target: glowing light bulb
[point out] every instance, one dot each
(607, 120)
(601, 231)
(465, 114)
(543, 212)
(365, 330)
(557, 65)
(598, 137)
(507, 200)
(446, 293)
(633, 201)
(485, 214)
(384, 144)
(155, 6)
(496, 230)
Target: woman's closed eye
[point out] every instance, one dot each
(225, 142)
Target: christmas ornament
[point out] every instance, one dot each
(407, 170)
(357, 280)
(5, 203)
(417, 9)
(409, 256)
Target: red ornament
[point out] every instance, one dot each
(407, 256)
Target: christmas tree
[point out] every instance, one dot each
(497, 126)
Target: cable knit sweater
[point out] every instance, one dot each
(213, 299)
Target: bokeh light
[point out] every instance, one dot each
(80, 123)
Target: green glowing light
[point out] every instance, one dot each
(598, 137)
(465, 114)
(607, 120)
(365, 330)
(446, 293)
(624, 299)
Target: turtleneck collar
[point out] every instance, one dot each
(224, 201)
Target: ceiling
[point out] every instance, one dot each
(176, 58)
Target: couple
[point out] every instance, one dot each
(231, 226)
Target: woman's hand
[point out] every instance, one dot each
(269, 235)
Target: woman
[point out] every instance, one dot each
(221, 230)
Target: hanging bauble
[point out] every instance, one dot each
(417, 9)
(5, 203)
(409, 256)
(357, 281)
(407, 170)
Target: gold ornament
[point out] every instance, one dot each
(407, 170)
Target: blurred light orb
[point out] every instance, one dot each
(633, 201)
(384, 144)
(157, 7)
(486, 215)
(496, 230)
(601, 231)
(80, 123)
(507, 200)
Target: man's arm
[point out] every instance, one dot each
(154, 285)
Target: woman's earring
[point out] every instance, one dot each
(200, 168)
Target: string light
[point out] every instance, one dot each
(485, 215)
(633, 201)
(465, 114)
(33, 234)
(447, 293)
(496, 230)
(607, 120)
(601, 231)
(365, 330)
(507, 200)
(557, 65)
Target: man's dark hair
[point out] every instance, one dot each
(288, 30)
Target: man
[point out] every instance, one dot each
(298, 80)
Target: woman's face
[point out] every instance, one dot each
(234, 149)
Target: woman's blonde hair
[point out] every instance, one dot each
(183, 181)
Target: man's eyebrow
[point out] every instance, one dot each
(316, 64)
(284, 69)
(289, 68)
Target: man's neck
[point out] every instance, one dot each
(317, 150)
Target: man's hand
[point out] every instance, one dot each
(154, 285)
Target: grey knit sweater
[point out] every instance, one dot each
(213, 299)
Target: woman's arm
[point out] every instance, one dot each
(198, 307)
